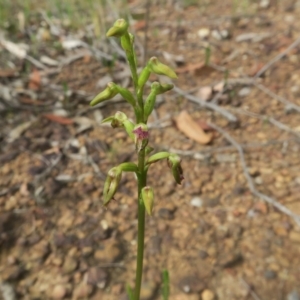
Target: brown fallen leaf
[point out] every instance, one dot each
(189, 68)
(34, 80)
(59, 119)
(191, 129)
(139, 25)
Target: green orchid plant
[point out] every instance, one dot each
(139, 133)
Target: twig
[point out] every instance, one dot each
(277, 97)
(35, 62)
(95, 167)
(267, 118)
(250, 182)
(277, 58)
(43, 175)
(199, 154)
(250, 289)
(209, 105)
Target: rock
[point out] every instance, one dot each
(270, 274)
(264, 3)
(87, 251)
(203, 33)
(220, 34)
(166, 213)
(97, 277)
(203, 254)
(226, 158)
(295, 90)
(229, 260)
(7, 291)
(39, 251)
(207, 295)
(12, 273)
(59, 292)
(185, 297)
(243, 92)
(70, 265)
(294, 236)
(196, 202)
(213, 202)
(204, 93)
(83, 291)
(293, 295)
(110, 253)
(191, 284)
(148, 290)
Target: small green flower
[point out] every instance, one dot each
(141, 136)
(143, 78)
(111, 184)
(119, 28)
(148, 199)
(174, 163)
(161, 69)
(107, 94)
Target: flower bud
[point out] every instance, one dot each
(111, 184)
(118, 119)
(141, 136)
(148, 199)
(149, 104)
(162, 88)
(160, 69)
(119, 28)
(174, 163)
(143, 78)
(107, 94)
(126, 43)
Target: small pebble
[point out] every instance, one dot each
(203, 33)
(196, 202)
(207, 295)
(264, 3)
(293, 295)
(244, 92)
(165, 214)
(270, 274)
(59, 292)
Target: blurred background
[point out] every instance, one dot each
(231, 230)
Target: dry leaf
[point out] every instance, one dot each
(204, 93)
(189, 68)
(59, 119)
(191, 129)
(34, 80)
(139, 25)
(15, 49)
(19, 130)
(71, 44)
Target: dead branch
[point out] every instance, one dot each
(250, 289)
(209, 105)
(277, 58)
(270, 119)
(250, 182)
(277, 97)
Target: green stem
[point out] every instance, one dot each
(141, 225)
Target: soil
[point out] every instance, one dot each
(216, 239)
